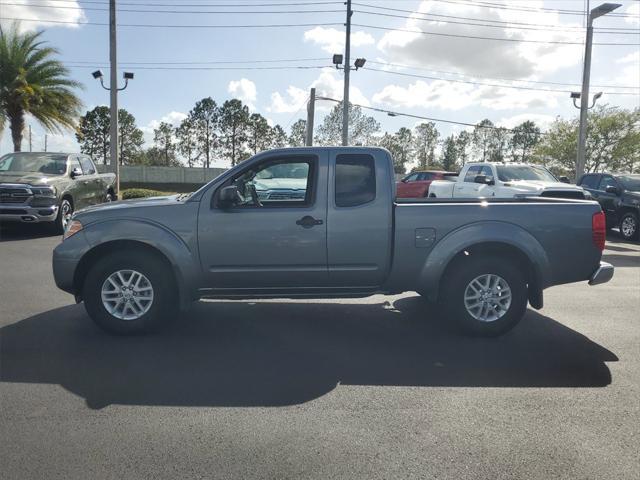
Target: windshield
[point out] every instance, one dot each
(630, 182)
(507, 173)
(47, 163)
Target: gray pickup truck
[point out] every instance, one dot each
(137, 263)
(47, 187)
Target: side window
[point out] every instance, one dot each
(607, 181)
(355, 182)
(590, 181)
(87, 166)
(425, 176)
(472, 173)
(277, 183)
(412, 178)
(73, 164)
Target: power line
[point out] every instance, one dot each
(430, 14)
(280, 67)
(212, 62)
(517, 87)
(156, 25)
(147, 4)
(440, 34)
(396, 65)
(420, 117)
(178, 11)
(503, 25)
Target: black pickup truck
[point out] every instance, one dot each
(619, 196)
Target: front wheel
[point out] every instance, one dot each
(629, 226)
(129, 293)
(485, 296)
(65, 211)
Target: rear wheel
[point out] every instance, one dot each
(629, 226)
(129, 293)
(485, 296)
(109, 197)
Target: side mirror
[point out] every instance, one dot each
(564, 179)
(484, 180)
(76, 172)
(228, 196)
(612, 189)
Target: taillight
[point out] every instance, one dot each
(599, 229)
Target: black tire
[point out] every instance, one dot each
(459, 278)
(60, 223)
(109, 197)
(162, 307)
(629, 228)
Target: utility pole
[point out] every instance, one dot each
(586, 77)
(45, 142)
(311, 108)
(30, 144)
(113, 125)
(347, 69)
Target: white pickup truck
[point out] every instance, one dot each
(505, 180)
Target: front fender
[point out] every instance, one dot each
(475, 234)
(183, 260)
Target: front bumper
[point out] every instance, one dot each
(27, 213)
(603, 274)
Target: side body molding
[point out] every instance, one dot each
(482, 232)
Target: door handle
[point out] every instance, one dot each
(308, 221)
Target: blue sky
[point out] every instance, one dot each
(167, 94)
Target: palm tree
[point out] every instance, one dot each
(33, 81)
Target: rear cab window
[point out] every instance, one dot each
(355, 180)
(87, 166)
(472, 173)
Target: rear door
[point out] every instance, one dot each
(90, 180)
(359, 218)
(609, 201)
(467, 188)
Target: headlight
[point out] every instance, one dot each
(73, 227)
(47, 191)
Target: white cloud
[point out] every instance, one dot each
(326, 85)
(541, 120)
(245, 90)
(172, 118)
(633, 57)
(483, 57)
(72, 15)
(456, 96)
(332, 40)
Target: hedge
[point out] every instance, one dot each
(142, 193)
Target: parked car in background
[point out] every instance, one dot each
(48, 187)
(133, 263)
(416, 184)
(505, 180)
(619, 196)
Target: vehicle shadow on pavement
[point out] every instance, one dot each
(276, 354)
(22, 231)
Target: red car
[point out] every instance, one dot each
(416, 184)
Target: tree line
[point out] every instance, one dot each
(230, 132)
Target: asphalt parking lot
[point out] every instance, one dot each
(372, 388)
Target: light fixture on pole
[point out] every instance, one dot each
(113, 129)
(586, 74)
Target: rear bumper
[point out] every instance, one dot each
(27, 213)
(603, 274)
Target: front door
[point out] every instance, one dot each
(607, 200)
(276, 234)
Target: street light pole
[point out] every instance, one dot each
(347, 69)
(113, 121)
(586, 76)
